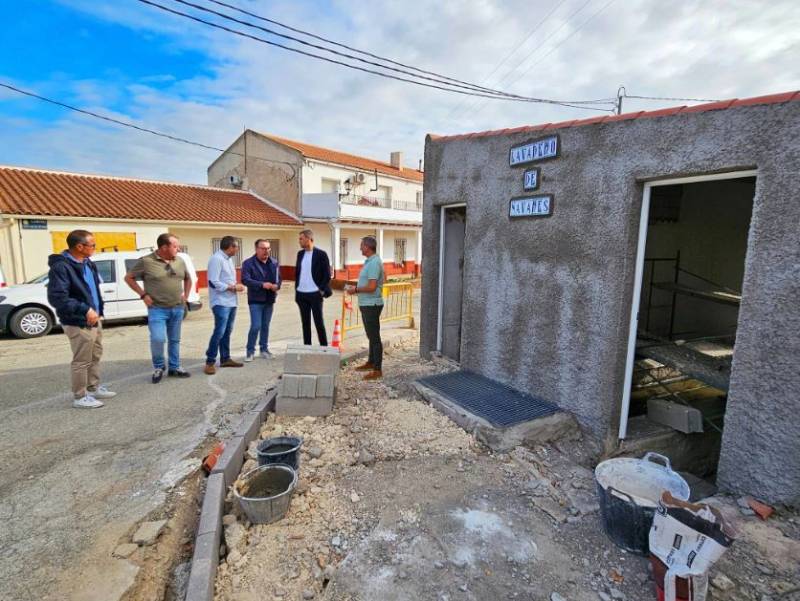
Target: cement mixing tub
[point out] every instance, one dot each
(629, 490)
(264, 494)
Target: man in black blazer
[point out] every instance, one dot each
(313, 284)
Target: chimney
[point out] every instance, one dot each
(396, 159)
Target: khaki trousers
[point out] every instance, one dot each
(87, 348)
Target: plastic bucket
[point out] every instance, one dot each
(281, 449)
(628, 491)
(264, 494)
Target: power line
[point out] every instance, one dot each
(357, 68)
(478, 107)
(574, 31)
(140, 128)
(672, 99)
(437, 76)
(507, 56)
(364, 52)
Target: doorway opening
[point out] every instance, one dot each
(452, 232)
(688, 289)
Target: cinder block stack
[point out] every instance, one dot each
(308, 385)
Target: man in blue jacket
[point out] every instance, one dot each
(261, 275)
(313, 280)
(73, 289)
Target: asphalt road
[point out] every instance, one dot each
(73, 481)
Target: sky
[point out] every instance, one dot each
(136, 63)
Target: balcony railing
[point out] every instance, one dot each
(377, 201)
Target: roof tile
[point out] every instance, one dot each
(52, 193)
(712, 106)
(350, 160)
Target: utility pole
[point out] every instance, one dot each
(620, 95)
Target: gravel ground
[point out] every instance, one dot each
(396, 503)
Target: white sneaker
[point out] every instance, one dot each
(248, 358)
(266, 355)
(103, 393)
(87, 402)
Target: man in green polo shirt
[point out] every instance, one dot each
(370, 302)
(167, 284)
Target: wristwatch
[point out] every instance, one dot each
(143, 294)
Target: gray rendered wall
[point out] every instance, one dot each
(547, 301)
(274, 181)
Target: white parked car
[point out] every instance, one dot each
(25, 312)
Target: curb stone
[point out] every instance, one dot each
(209, 531)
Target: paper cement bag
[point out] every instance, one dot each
(688, 538)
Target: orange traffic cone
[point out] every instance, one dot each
(337, 335)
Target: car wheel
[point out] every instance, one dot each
(30, 322)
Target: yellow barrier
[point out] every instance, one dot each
(398, 303)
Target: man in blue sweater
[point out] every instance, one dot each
(73, 289)
(261, 275)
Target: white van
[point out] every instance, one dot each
(25, 312)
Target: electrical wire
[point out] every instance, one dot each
(672, 99)
(479, 105)
(140, 128)
(376, 56)
(574, 31)
(357, 68)
(507, 56)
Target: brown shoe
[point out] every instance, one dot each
(366, 367)
(375, 374)
(231, 363)
(209, 369)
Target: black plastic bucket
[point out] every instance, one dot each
(628, 491)
(281, 449)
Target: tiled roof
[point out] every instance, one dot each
(40, 192)
(350, 160)
(712, 106)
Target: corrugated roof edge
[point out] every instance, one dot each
(666, 112)
(125, 179)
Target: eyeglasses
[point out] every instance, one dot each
(88, 245)
(169, 270)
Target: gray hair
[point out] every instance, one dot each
(370, 242)
(308, 234)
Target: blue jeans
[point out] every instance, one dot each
(165, 326)
(221, 338)
(260, 316)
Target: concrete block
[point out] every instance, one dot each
(267, 404)
(230, 462)
(213, 501)
(325, 386)
(204, 567)
(308, 387)
(316, 406)
(314, 360)
(290, 385)
(248, 426)
(676, 416)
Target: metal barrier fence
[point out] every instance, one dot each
(398, 303)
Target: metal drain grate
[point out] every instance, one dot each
(500, 405)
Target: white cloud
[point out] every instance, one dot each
(690, 48)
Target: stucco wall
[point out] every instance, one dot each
(274, 181)
(547, 301)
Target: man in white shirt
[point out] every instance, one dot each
(222, 289)
(313, 277)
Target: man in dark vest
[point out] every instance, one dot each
(313, 284)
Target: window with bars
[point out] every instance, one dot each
(419, 200)
(399, 251)
(275, 249)
(343, 252)
(237, 258)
